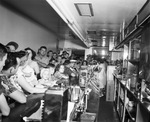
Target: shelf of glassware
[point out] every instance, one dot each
(128, 104)
(119, 97)
(131, 103)
(143, 107)
(121, 100)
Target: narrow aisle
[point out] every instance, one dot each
(107, 112)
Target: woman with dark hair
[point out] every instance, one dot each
(84, 64)
(33, 64)
(23, 81)
(28, 49)
(59, 74)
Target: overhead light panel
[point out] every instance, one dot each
(103, 52)
(103, 43)
(104, 37)
(84, 9)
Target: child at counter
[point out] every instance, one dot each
(47, 78)
(59, 74)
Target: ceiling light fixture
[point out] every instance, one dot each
(103, 52)
(84, 9)
(104, 37)
(103, 43)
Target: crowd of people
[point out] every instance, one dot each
(26, 72)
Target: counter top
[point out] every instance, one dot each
(57, 91)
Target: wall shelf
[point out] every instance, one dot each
(133, 113)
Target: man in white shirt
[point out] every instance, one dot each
(41, 57)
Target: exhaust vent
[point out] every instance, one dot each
(91, 32)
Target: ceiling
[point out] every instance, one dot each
(109, 16)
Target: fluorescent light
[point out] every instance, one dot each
(125, 55)
(103, 52)
(104, 37)
(84, 9)
(95, 52)
(139, 51)
(103, 43)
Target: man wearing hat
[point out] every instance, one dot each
(12, 46)
(69, 64)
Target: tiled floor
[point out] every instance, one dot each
(107, 112)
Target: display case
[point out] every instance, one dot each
(144, 75)
(131, 62)
(134, 50)
(135, 77)
(126, 101)
(126, 90)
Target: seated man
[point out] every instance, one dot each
(10, 68)
(41, 57)
(4, 108)
(32, 101)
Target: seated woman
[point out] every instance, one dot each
(29, 75)
(29, 72)
(33, 64)
(21, 82)
(59, 74)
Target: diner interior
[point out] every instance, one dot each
(74, 60)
